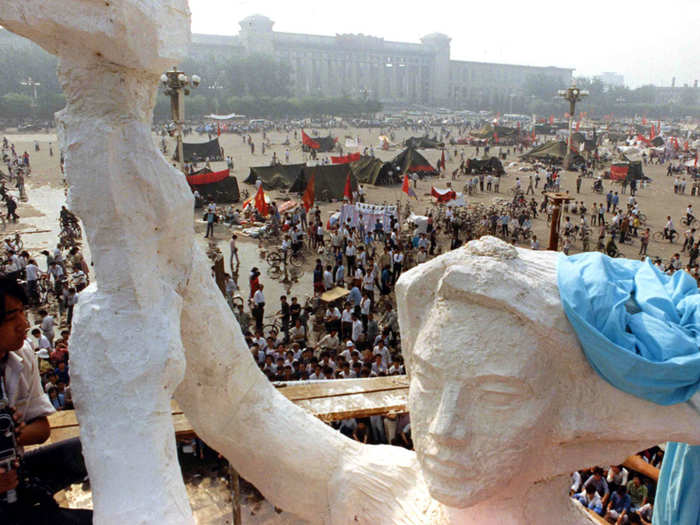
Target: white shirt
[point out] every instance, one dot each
(42, 342)
(47, 324)
(350, 250)
(356, 330)
(32, 272)
(365, 305)
(24, 385)
(258, 297)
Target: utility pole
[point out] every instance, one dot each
(176, 85)
(572, 95)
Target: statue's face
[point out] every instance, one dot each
(480, 401)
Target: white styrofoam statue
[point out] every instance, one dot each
(503, 403)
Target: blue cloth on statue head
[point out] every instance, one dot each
(640, 330)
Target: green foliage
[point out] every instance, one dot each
(16, 106)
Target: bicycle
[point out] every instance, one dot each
(692, 222)
(660, 236)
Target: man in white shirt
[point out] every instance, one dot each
(21, 385)
(328, 278)
(32, 273)
(47, 325)
(259, 307)
(39, 340)
(357, 330)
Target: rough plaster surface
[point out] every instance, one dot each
(503, 403)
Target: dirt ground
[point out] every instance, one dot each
(209, 495)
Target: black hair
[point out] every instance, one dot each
(10, 287)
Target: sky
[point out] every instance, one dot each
(646, 41)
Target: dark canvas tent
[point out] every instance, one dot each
(554, 151)
(219, 186)
(278, 177)
(658, 141)
(200, 151)
(371, 170)
(410, 161)
(329, 181)
(631, 170)
(325, 144)
(492, 165)
(423, 143)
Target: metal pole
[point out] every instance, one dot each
(572, 108)
(180, 120)
(235, 495)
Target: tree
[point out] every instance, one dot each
(16, 106)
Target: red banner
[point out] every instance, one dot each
(618, 172)
(347, 192)
(443, 195)
(406, 187)
(309, 195)
(260, 203)
(308, 141)
(352, 157)
(207, 178)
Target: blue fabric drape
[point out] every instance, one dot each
(640, 330)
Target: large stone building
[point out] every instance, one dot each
(359, 65)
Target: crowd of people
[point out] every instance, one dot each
(619, 495)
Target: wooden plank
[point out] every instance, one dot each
(334, 294)
(328, 400)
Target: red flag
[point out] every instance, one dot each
(685, 146)
(260, 203)
(652, 133)
(443, 195)
(578, 124)
(347, 193)
(495, 139)
(618, 172)
(533, 134)
(406, 187)
(218, 130)
(352, 157)
(551, 119)
(309, 194)
(695, 164)
(308, 141)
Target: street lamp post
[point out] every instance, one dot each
(30, 83)
(573, 95)
(176, 85)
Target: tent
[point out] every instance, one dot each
(410, 161)
(277, 177)
(218, 186)
(200, 151)
(492, 165)
(554, 151)
(325, 144)
(329, 181)
(371, 170)
(423, 143)
(579, 138)
(627, 170)
(488, 131)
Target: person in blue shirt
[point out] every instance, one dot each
(619, 505)
(615, 201)
(355, 295)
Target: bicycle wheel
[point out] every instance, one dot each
(270, 330)
(274, 259)
(642, 218)
(297, 260)
(275, 272)
(658, 236)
